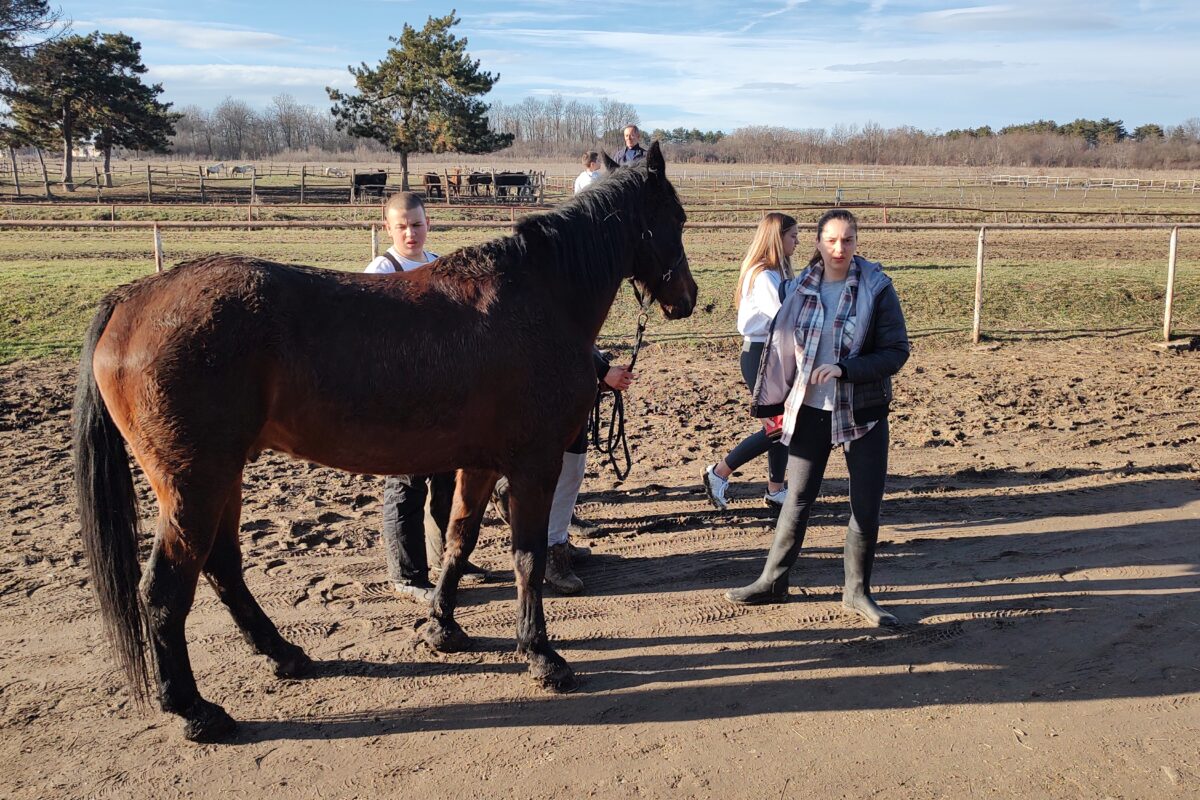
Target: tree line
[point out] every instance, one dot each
(233, 130)
(1035, 146)
(424, 96)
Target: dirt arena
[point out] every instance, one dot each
(1041, 542)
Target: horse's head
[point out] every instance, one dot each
(660, 264)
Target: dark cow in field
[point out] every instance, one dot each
(514, 184)
(369, 184)
(477, 179)
(433, 185)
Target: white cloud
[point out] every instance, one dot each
(232, 77)
(197, 35)
(494, 19)
(790, 5)
(920, 66)
(1043, 17)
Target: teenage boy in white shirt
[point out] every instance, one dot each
(404, 533)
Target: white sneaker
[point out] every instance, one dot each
(775, 499)
(715, 487)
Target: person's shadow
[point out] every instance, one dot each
(1091, 614)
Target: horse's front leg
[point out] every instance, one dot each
(529, 512)
(471, 494)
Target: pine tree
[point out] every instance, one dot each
(422, 97)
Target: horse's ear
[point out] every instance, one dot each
(655, 161)
(609, 164)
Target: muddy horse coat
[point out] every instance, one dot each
(486, 369)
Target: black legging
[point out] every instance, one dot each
(758, 442)
(808, 454)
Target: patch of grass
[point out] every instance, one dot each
(1039, 281)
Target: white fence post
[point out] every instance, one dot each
(374, 243)
(158, 254)
(978, 286)
(1170, 286)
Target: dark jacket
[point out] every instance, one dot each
(878, 351)
(884, 351)
(627, 155)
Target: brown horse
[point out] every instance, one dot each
(479, 362)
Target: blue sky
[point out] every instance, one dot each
(710, 64)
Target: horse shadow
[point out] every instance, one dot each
(1066, 631)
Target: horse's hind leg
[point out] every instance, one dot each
(473, 489)
(186, 525)
(529, 511)
(224, 571)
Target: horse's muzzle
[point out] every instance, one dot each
(681, 306)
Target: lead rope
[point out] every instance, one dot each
(615, 441)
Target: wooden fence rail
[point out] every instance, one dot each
(372, 226)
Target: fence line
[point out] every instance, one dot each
(193, 179)
(371, 225)
(334, 224)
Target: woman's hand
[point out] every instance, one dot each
(825, 373)
(618, 378)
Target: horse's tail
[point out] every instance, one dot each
(108, 517)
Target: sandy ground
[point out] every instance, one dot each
(1041, 543)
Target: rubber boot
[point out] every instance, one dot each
(856, 596)
(772, 585)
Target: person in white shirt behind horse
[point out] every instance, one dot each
(408, 543)
(767, 264)
(591, 171)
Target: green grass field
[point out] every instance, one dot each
(1038, 283)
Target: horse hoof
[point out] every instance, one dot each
(558, 678)
(208, 722)
(294, 665)
(445, 638)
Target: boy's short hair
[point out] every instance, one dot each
(403, 201)
(590, 157)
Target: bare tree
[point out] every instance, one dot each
(193, 132)
(531, 115)
(554, 118)
(233, 120)
(287, 116)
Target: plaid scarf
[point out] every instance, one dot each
(809, 324)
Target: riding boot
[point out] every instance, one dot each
(856, 596)
(772, 584)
